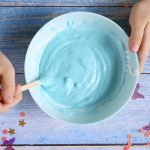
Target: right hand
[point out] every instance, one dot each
(140, 31)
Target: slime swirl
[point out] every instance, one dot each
(81, 67)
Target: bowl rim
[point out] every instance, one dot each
(33, 91)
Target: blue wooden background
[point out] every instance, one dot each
(19, 21)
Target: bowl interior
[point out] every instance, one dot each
(86, 71)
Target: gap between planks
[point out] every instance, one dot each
(121, 6)
(91, 146)
(147, 73)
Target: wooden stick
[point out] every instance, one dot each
(30, 85)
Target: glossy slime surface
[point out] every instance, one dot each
(82, 67)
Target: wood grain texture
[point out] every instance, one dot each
(18, 25)
(66, 2)
(43, 129)
(78, 147)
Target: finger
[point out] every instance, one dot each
(137, 31)
(17, 98)
(8, 85)
(18, 95)
(3, 107)
(0, 96)
(144, 48)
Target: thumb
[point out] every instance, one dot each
(137, 31)
(8, 86)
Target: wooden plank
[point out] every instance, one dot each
(66, 2)
(78, 147)
(43, 129)
(18, 25)
(147, 65)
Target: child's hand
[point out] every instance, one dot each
(140, 31)
(10, 94)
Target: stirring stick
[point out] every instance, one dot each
(30, 85)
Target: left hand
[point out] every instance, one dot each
(140, 31)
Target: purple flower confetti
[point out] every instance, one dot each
(9, 144)
(147, 127)
(136, 94)
(9, 148)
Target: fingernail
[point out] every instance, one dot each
(9, 99)
(134, 48)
